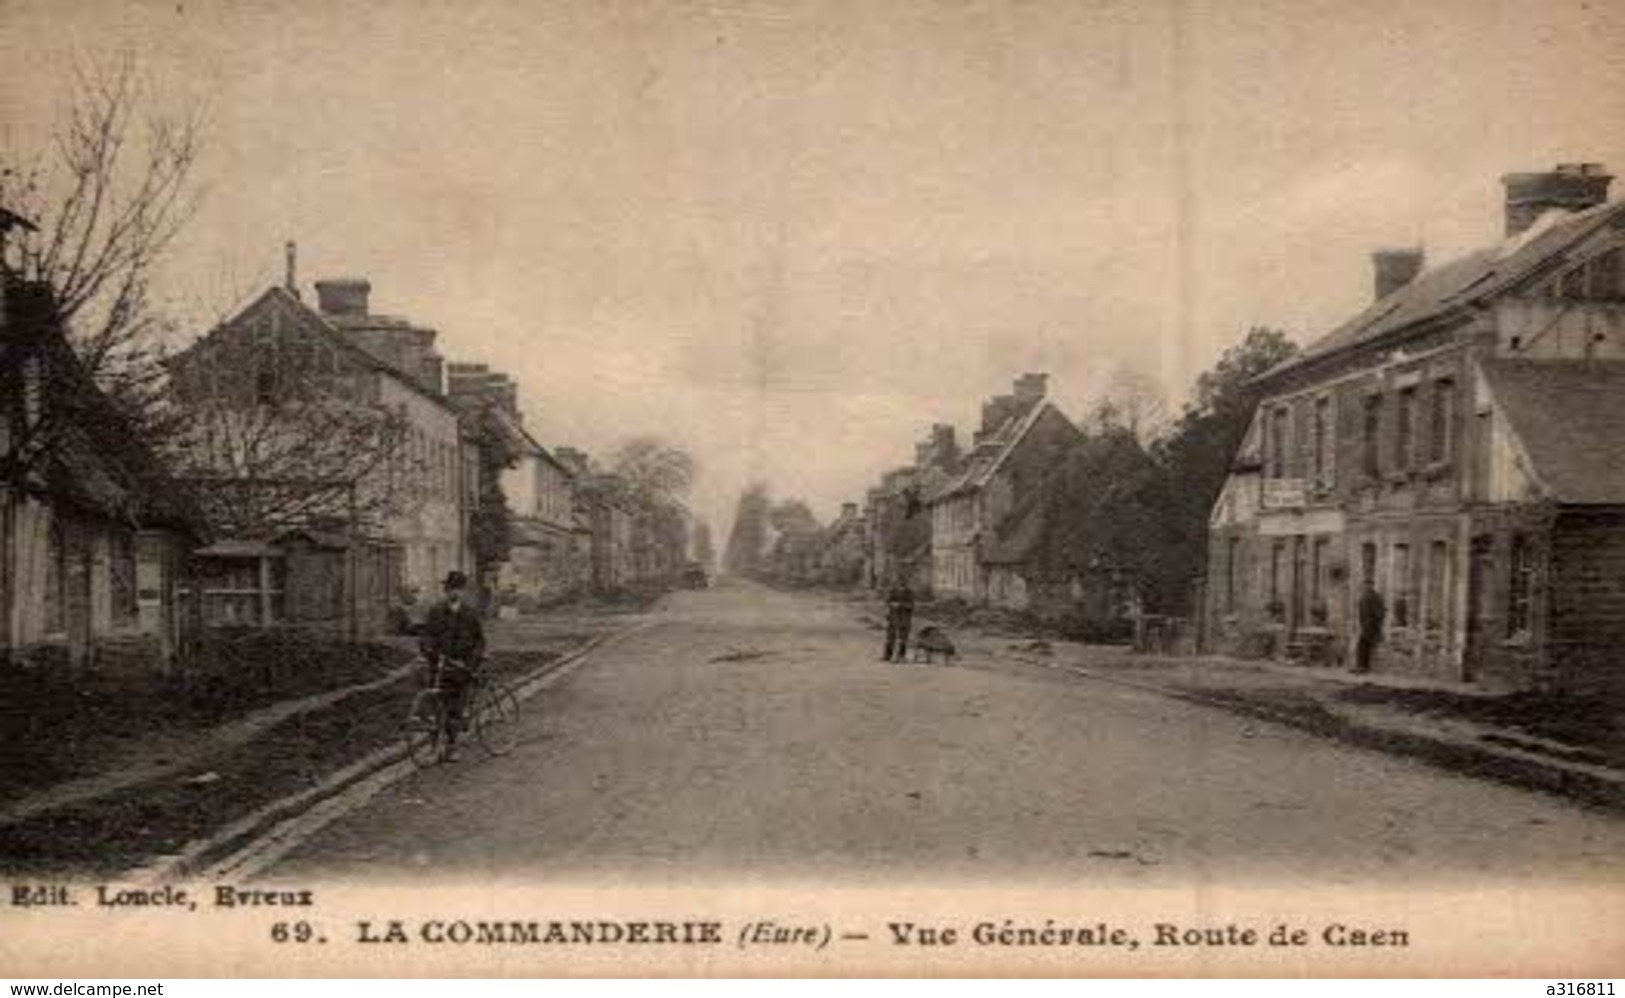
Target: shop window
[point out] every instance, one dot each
(1521, 567)
(1437, 584)
(1400, 587)
(1319, 558)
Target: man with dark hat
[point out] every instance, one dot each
(454, 640)
(899, 619)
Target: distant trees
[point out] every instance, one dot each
(703, 551)
(1196, 453)
(747, 540)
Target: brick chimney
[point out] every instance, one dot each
(1031, 387)
(343, 295)
(1395, 268)
(1567, 186)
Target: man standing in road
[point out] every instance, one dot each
(899, 617)
(454, 639)
(1372, 612)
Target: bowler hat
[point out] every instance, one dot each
(456, 580)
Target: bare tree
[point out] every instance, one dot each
(308, 459)
(109, 199)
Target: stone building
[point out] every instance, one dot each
(1455, 445)
(95, 538)
(546, 561)
(1022, 439)
(897, 523)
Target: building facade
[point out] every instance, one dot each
(341, 360)
(1451, 447)
(94, 537)
(1022, 440)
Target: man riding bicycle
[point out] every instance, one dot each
(453, 643)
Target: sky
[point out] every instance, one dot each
(790, 236)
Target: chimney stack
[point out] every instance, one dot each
(343, 295)
(291, 279)
(1395, 268)
(1031, 387)
(1567, 186)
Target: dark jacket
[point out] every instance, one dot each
(900, 601)
(1373, 612)
(453, 632)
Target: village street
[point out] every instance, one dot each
(756, 733)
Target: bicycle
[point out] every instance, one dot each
(490, 710)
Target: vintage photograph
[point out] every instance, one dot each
(828, 464)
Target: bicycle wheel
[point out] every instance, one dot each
(425, 729)
(496, 719)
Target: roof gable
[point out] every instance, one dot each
(1569, 420)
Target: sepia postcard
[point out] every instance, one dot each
(1121, 488)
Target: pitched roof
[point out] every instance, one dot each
(325, 327)
(1465, 281)
(1569, 416)
(98, 461)
(1059, 524)
(988, 456)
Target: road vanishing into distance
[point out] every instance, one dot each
(750, 733)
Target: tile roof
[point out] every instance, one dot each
(986, 458)
(1570, 417)
(1467, 280)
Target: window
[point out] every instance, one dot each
(55, 580)
(1318, 562)
(1438, 587)
(121, 579)
(1604, 277)
(1519, 586)
(1231, 571)
(1400, 586)
(1276, 608)
(1405, 432)
(265, 386)
(1323, 440)
(1439, 423)
(1371, 435)
(1277, 442)
(1368, 564)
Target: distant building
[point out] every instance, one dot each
(841, 559)
(547, 561)
(94, 536)
(896, 519)
(1022, 440)
(1455, 445)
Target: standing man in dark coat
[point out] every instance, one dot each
(899, 618)
(1372, 613)
(454, 639)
